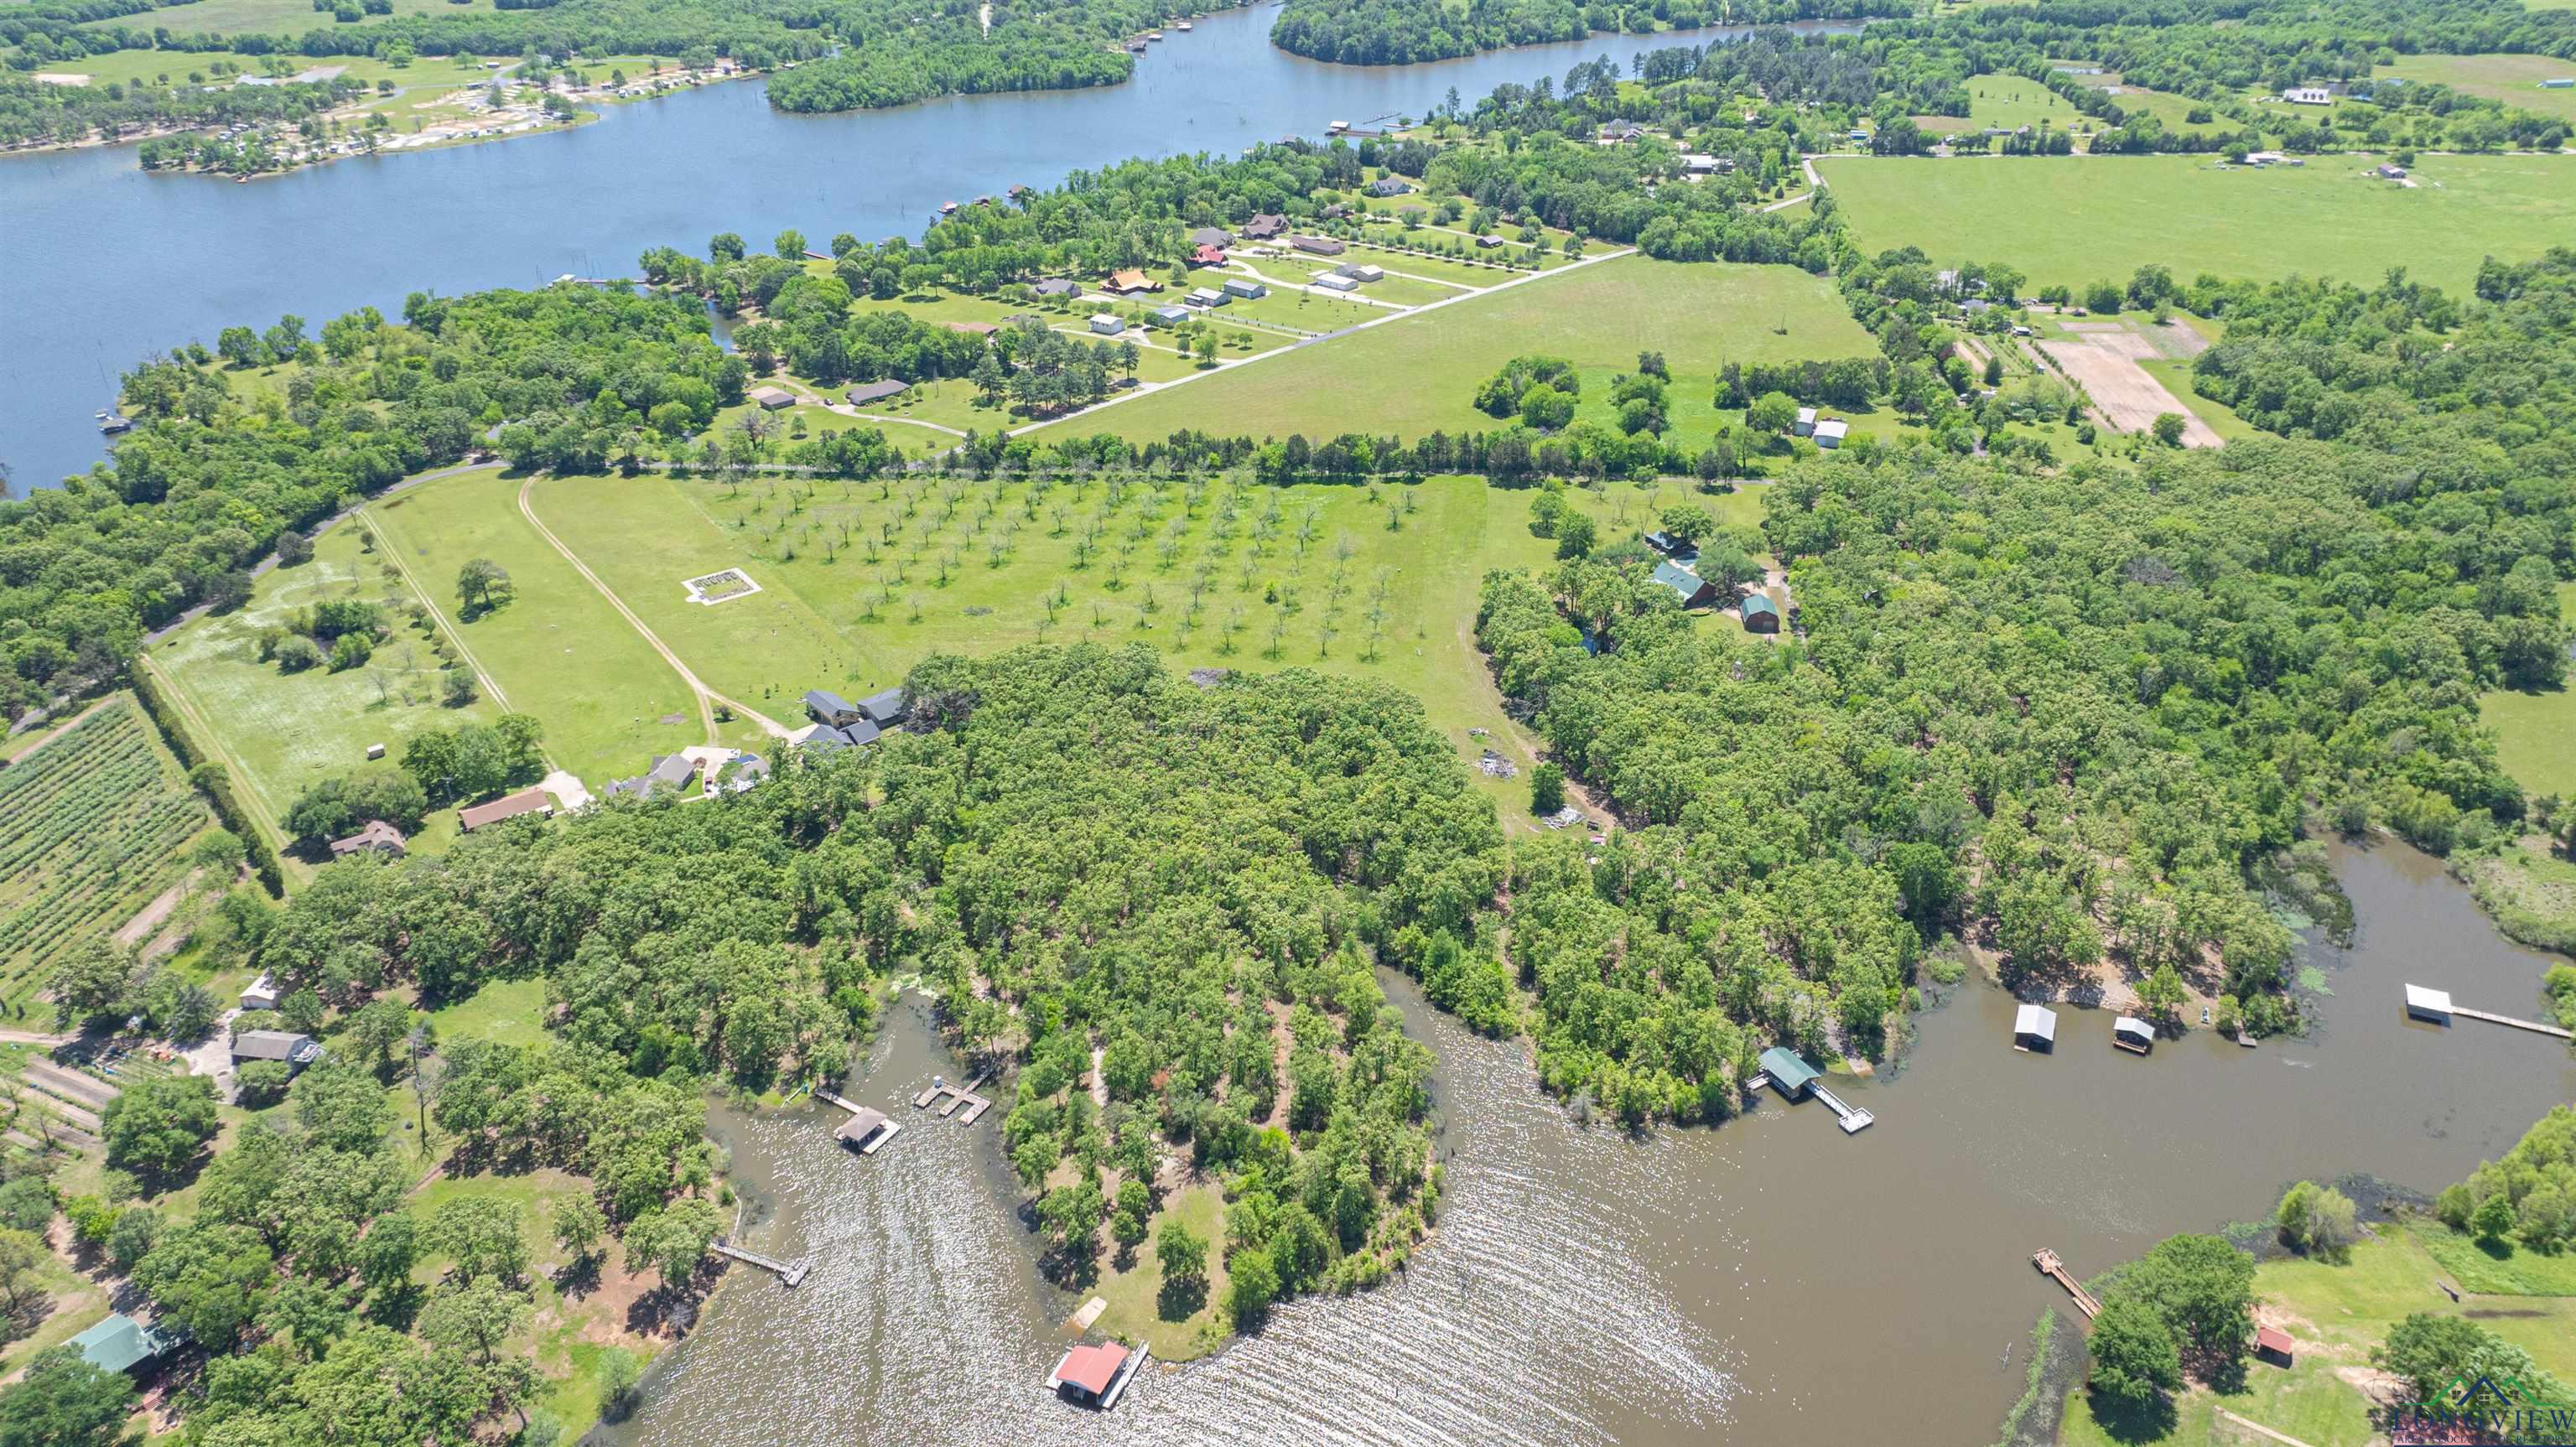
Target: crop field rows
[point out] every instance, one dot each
(90, 826)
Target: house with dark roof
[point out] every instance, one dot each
(378, 837)
(1690, 587)
(670, 773)
(826, 707)
(1264, 226)
(887, 708)
(861, 1130)
(1758, 613)
(297, 1049)
(770, 399)
(120, 1343)
(1389, 186)
(1055, 286)
(1622, 131)
(1210, 236)
(1679, 549)
(867, 392)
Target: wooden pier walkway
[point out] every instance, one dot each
(954, 1096)
(786, 1274)
(1854, 1120)
(2495, 1019)
(2048, 1264)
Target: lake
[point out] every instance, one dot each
(1769, 1280)
(107, 264)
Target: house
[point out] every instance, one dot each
(887, 708)
(1264, 227)
(1170, 316)
(1211, 236)
(1203, 296)
(1488, 242)
(862, 1131)
(1389, 186)
(120, 1343)
(1107, 325)
(1758, 613)
(1618, 131)
(1699, 165)
(1087, 1374)
(1690, 587)
(260, 994)
(1360, 272)
(1246, 288)
(509, 806)
(1336, 211)
(771, 398)
(2035, 1028)
(2273, 1345)
(1208, 256)
(826, 707)
(1664, 542)
(1790, 1074)
(294, 1047)
(2432, 1005)
(1335, 281)
(1129, 281)
(738, 773)
(1830, 433)
(1054, 286)
(2133, 1035)
(1806, 423)
(1317, 245)
(867, 392)
(378, 837)
(669, 771)
(2308, 95)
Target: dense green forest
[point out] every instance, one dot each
(1401, 32)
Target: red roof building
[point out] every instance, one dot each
(1209, 256)
(1086, 1372)
(2273, 1345)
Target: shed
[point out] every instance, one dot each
(509, 806)
(1694, 591)
(1758, 613)
(2035, 1028)
(260, 994)
(771, 398)
(1107, 325)
(867, 392)
(378, 837)
(295, 1048)
(1086, 1373)
(1360, 271)
(1806, 424)
(1169, 316)
(2273, 1345)
(375, 751)
(2424, 1004)
(1201, 296)
(1790, 1074)
(1246, 288)
(2133, 1034)
(1489, 242)
(1830, 433)
(1333, 281)
(862, 1127)
(120, 1343)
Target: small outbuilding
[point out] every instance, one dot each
(2273, 1345)
(1107, 325)
(2134, 1035)
(864, 1131)
(1830, 433)
(1246, 288)
(1806, 423)
(1169, 316)
(294, 1047)
(867, 392)
(1790, 1074)
(260, 994)
(1758, 613)
(770, 399)
(1203, 297)
(1335, 281)
(1361, 272)
(2424, 1004)
(2035, 1028)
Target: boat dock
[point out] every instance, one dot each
(867, 1128)
(954, 1096)
(2048, 1264)
(2531, 1025)
(1854, 1120)
(787, 1275)
(2435, 1007)
(1118, 1388)
(1785, 1071)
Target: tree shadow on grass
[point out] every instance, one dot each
(1180, 1300)
(2132, 1422)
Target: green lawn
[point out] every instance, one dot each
(1417, 374)
(432, 71)
(509, 1011)
(1137, 1311)
(2079, 219)
(2222, 419)
(2506, 1270)
(2007, 100)
(269, 17)
(557, 649)
(2536, 732)
(287, 732)
(2513, 79)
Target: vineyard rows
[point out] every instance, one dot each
(90, 827)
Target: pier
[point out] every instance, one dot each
(950, 1097)
(2048, 1264)
(867, 1128)
(787, 1275)
(2435, 1007)
(1785, 1071)
(1854, 1120)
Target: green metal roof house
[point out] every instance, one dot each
(121, 1343)
(1686, 585)
(1789, 1074)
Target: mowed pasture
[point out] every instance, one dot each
(92, 826)
(2079, 219)
(1418, 372)
(2513, 79)
(269, 17)
(2536, 731)
(1996, 99)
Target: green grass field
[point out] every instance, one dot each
(2513, 79)
(1417, 374)
(2221, 418)
(2080, 219)
(557, 649)
(287, 732)
(1136, 1310)
(2007, 100)
(2536, 732)
(269, 17)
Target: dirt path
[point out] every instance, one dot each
(708, 698)
(148, 918)
(2281, 1437)
(1577, 793)
(68, 725)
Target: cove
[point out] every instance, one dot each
(1770, 1280)
(108, 264)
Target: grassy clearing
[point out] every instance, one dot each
(1996, 99)
(1137, 1311)
(270, 17)
(2222, 419)
(2505, 1270)
(2081, 219)
(557, 649)
(287, 732)
(2513, 79)
(2336, 1313)
(509, 1011)
(1418, 374)
(2536, 732)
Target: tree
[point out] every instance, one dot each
(2168, 428)
(1575, 535)
(2134, 1356)
(477, 1317)
(1688, 522)
(1771, 413)
(673, 1240)
(2318, 1220)
(2492, 1221)
(2162, 993)
(342, 1107)
(158, 1124)
(27, 1204)
(1135, 1203)
(2203, 1288)
(481, 1234)
(262, 1083)
(1547, 790)
(1252, 1285)
(1181, 1251)
(580, 1226)
(210, 1277)
(23, 1255)
(93, 979)
(790, 245)
(2434, 1352)
(65, 1401)
(477, 582)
